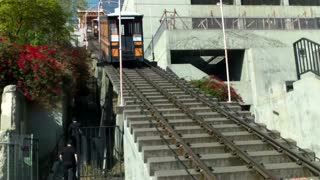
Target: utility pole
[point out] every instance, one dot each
(225, 51)
(99, 30)
(85, 29)
(120, 56)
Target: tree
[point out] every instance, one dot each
(37, 21)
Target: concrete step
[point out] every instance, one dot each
(214, 160)
(172, 110)
(147, 117)
(156, 93)
(181, 115)
(149, 86)
(192, 105)
(155, 97)
(195, 138)
(137, 132)
(226, 129)
(144, 83)
(160, 101)
(280, 170)
(181, 122)
(204, 148)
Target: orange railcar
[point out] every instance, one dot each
(131, 35)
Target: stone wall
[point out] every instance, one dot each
(13, 110)
(21, 117)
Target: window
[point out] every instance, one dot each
(122, 29)
(113, 27)
(137, 28)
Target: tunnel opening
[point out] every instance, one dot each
(260, 2)
(212, 2)
(212, 62)
(304, 2)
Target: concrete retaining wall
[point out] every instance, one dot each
(135, 168)
(295, 114)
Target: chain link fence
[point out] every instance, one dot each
(18, 157)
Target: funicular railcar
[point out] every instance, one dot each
(131, 35)
(95, 28)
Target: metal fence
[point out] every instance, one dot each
(101, 154)
(19, 157)
(244, 23)
(175, 22)
(307, 56)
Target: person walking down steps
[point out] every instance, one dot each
(74, 133)
(69, 159)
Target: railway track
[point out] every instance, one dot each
(184, 134)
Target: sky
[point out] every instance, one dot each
(108, 7)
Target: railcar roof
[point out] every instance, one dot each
(124, 13)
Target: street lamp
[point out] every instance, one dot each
(99, 35)
(120, 56)
(225, 51)
(85, 29)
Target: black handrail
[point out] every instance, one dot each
(307, 56)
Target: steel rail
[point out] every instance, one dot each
(235, 150)
(177, 139)
(161, 133)
(281, 148)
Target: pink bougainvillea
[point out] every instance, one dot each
(39, 71)
(217, 88)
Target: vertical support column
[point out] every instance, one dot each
(288, 22)
(285, 2)
(237, 2)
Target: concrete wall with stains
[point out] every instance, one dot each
(295, 114)
(268, 61)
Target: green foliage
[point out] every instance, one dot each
(216, 88)
(36, 21)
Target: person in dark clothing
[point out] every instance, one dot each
(74, 132)
(69, 159)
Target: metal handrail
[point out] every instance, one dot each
(307, 56)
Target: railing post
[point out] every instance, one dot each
(296, 59)
(152, 48)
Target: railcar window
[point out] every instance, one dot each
(137, 28)
(113, 27)
(130, 29)
(122, 29)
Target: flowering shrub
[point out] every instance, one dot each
(216, 88)
(39, 71)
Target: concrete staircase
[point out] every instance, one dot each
(164, 161)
